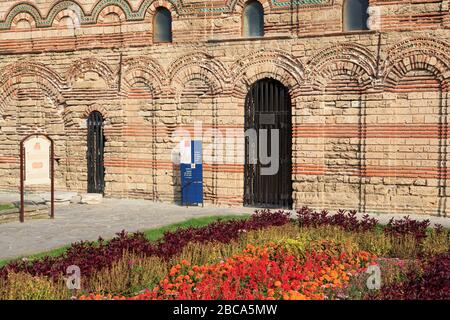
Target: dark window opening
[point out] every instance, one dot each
(162, 25)
(355, 15)
(253, 20)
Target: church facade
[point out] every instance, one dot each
(362, 107)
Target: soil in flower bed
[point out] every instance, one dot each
(184, 263)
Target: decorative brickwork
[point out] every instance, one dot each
(369, 109)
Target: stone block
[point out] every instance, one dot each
(91, 198)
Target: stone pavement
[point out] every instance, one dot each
(87, 222)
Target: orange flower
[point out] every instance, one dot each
(173, 271)
(185, 262)
(296, 280)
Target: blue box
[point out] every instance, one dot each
(192, 177)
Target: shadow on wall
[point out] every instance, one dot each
(442, 158)
(176, 182)
(440, 173)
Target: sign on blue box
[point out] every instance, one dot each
(191, 169)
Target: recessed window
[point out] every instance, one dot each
(112, 18)
(67, 22)
(23, 24)
(253, 16)
(162, 25)
(355, 15)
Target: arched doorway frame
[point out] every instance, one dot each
(95, 152)
(268, 106)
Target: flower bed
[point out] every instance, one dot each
(90, 256)
(432, 283)
(261, 273)
(268, 256)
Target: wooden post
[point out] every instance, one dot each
(52, 179)
(22, 168)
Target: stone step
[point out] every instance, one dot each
(91, 198)
(31, 211)
(59, 196)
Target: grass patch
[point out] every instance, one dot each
(150, 234)
(155, 234)
(6, 206)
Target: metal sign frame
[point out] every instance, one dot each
(22, 175)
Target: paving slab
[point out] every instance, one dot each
(76, 222)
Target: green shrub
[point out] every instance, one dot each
(297, 247)
(436, 242)
(127, 276)
(23, 286)
(405, 246)
(375, 242)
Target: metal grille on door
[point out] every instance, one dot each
(268, 106)
(95, 149)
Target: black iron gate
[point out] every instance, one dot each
(95, 148)
(268, 106)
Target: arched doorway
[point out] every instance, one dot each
(268, 130)
(95, 151)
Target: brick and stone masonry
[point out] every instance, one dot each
(369, 108)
